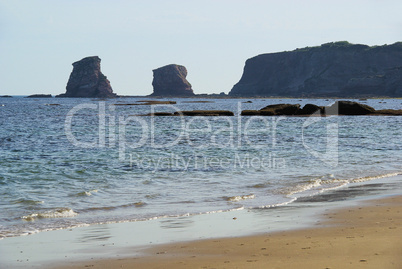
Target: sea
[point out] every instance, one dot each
(73, 162)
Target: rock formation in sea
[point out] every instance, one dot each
(170, 80)
(40, 96)
(87, 80)
(338, 108)
(337, 69)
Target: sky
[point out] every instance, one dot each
(39, 40)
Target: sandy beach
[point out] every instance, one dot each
(363, 236)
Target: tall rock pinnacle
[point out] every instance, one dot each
(87, 80)
(170, 80)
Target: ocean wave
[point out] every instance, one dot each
(86, 193)
(327, 183)
(109, 208)
(278, 204)
(27, 202)
(315, 186)
(368, 178)
(56, 213)
(240, 198)
(260, 185)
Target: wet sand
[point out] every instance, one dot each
(363, 236)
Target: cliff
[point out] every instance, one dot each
(87, 80)
(170, 80)
(338, 69)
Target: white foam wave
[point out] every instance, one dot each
(315, 186)
(241, 197)
(362, 179)
(278, 204)
(327, 183)
(87, 193)
(56, 213)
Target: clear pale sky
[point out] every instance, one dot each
(39, 40)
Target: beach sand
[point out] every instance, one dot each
(364, 236)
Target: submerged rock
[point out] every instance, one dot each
(146, 103)
(40, 96)
(205, 113)
(87, 80)
(388, 112)
(170, 80)
(194, 113)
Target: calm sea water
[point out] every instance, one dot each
(73, 162)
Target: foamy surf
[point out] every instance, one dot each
(86, 193)
(56, 213)
(240, 198)
(362, 179)
(315, 186)
(327, 183)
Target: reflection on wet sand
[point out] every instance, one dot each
(95, 233)
(175, 223)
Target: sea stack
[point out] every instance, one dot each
(336, 69)
(170, 80)
(87, 80)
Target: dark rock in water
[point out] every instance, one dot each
(201, 101)
(156, 102)
(349, 108)
(280, 109)
(160, 114)
(5, 96)
(338, 108)
(87, 80)
(193, 113)
(338, 69)
(252, 113)
(146, 103)
(388, 112)
(40, 96)
(274, 110)
(310, 109)
(205, 113)
(170, 80)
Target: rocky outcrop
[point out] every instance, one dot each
(281, 109)
(346, 108)
(205, 113)
(349, 108)
(338, 69)
(170, 80)
(40, 96)
(87, 80)
(194, 113)
(309, 109)
(146, 103)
